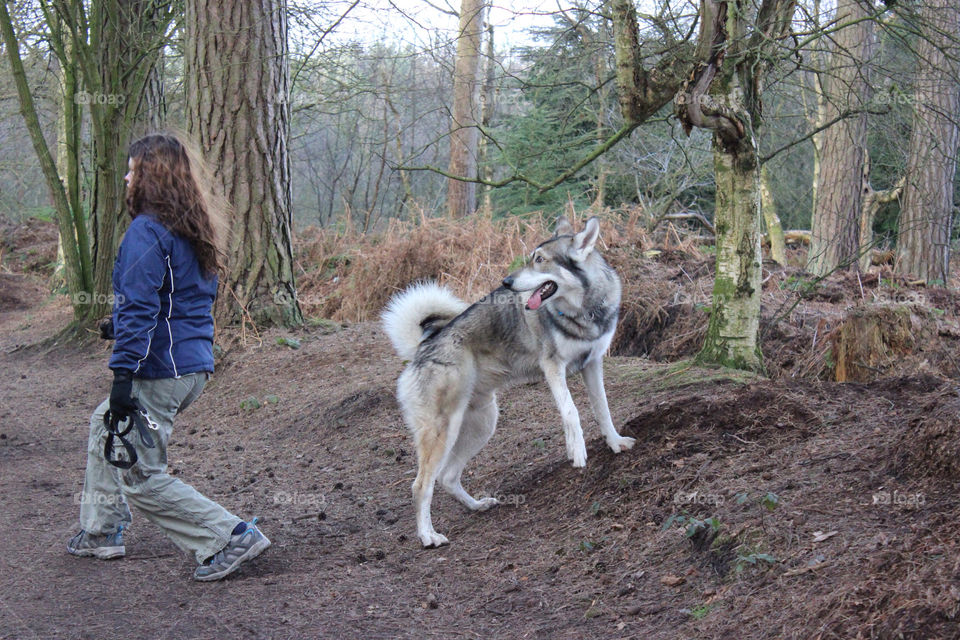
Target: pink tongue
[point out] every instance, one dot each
(535, 301)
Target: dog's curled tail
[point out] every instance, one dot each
(417, 313)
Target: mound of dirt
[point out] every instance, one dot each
(930, 444)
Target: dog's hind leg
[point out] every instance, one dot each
(479, 423)
(436, 429)
(593, 379)
(555, 374)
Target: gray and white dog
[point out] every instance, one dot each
(555, 315)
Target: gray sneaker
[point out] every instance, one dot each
(241, 548)
(104, 547)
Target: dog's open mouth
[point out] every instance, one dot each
(541, 294)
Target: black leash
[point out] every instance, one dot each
(139, 419)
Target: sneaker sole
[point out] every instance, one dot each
(251, 553)
(101, 553)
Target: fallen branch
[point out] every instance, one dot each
(691, 215)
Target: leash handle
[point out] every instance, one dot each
(113, 432)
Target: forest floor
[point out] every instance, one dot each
(787, 506)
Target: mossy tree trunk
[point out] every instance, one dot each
(733, 332)
(68, 151)
(238, 109)
(734, 49)
(117, 44)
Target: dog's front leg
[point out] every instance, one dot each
(593, 379)
(572, 431)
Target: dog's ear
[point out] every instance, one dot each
(564, 228)
(584, 241)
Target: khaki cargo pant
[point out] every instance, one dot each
(192, 521)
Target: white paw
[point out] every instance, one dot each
(486, 503)
(433, 539)
(577, 452)
(621, 443)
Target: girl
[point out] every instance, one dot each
(164, 284)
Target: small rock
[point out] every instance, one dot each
(432, 602)
(672, 581)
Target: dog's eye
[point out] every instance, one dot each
(538, 259)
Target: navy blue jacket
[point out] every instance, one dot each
(162, 301)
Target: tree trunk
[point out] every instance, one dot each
(723, 95)
(152, 112)
(872, 201)
(238, 110)
(68, 153)
(926, 217)
(834, 228)
(126, 37)
(487, 105)
(77, 263)
(461, 195)
(732, 334)
(778, 247)
(817, 114)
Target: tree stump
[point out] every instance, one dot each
(873, 340)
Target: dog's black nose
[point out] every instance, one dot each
(508, 282)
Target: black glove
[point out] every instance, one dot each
(106, 328)
(122, 405)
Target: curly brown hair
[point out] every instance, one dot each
(166, 185)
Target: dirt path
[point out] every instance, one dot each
(820, 530)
